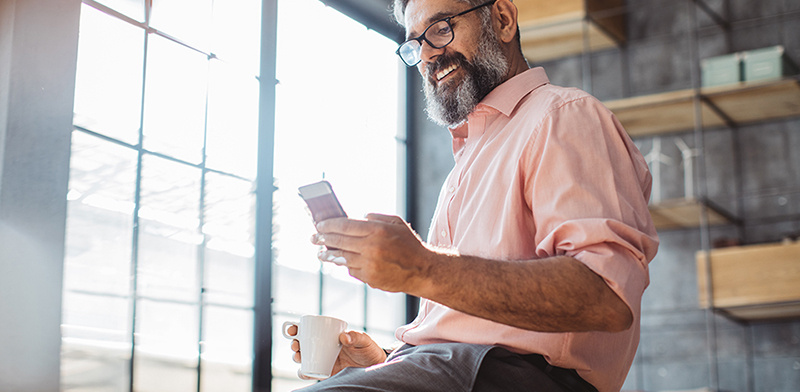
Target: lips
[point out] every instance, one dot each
(441, 74)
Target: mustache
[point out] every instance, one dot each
(444, 61)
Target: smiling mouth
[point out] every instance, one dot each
(443, 73)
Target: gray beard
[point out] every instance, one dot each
(486, 71)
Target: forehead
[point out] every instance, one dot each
(421, 13)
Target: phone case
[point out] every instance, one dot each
(321, 201)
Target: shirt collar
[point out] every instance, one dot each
(505, 97)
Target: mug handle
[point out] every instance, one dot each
(288, 324)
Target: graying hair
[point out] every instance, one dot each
(399, 10)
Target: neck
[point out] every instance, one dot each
(517, 64)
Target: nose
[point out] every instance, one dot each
(428, 53)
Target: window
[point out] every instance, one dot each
(158, 280)
(336, 117)
(159, 277)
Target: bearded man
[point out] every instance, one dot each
(537, 257)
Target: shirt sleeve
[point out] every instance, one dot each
(588, 187)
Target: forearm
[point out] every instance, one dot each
(558, 294)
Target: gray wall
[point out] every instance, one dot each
(674, 354)
(38, 49)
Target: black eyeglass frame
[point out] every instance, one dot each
(422, 36)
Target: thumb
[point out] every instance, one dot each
(354, 339)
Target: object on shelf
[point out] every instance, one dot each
(766, 64)
(742, 103)
(755, 282)
(555, 29)
(684, 213)
(721, 70)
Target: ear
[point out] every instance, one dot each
(505, 20)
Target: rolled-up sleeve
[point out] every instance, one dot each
(588, 195)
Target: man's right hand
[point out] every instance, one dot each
(358, 350)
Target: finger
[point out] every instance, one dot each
(335, 257)
(292, 330)
(296, 357)
(333, 241)
(295, 345)
(345, 339)
(350, 227)
(354, 339)
(393, 219)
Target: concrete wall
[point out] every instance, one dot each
(38, 49)
(674, 351)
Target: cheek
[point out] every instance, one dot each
(421, 69)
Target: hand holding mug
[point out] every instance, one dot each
(318, 336)
(357, 350)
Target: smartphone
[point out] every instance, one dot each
(321, 201)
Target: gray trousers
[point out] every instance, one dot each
(443, 367)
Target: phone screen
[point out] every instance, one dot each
(321, 201)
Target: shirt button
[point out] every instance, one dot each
(452, 189)
(444, 233)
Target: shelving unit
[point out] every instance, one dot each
(754, 282)
(685, 213)
(554, 29)
(731, 105)
(738, 104)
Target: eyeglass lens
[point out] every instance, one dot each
(437, 35)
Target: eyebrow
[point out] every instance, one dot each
(433, 18)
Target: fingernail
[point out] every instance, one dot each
(338, 260)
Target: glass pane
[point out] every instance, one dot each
(175, 100)
(167, 347)
(133, 9)
(96, 342)
(229, 227)
(344, 299)
(100, 209)
(186, 20)
(237, 33)
(232, 121)
(227, 349)
(295, 291)
(108, 84)
(169, 234)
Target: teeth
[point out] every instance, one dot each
(445, 72)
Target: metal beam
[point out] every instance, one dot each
(375, 14)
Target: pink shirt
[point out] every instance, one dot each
(540, 171)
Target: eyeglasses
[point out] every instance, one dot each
(438, 35)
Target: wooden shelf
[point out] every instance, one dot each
(741, 103)
(555, 29)
(684, 213)
(754, 282)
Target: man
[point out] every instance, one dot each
(537, 255)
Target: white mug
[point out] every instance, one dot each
(319, 343)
